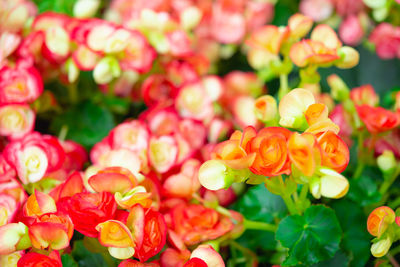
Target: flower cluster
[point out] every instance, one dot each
(315, 157)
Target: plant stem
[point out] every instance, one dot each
(303, 192)
(253, 225)
(246, 252)
(388, 182)
(289, 204)
(359, 169)
(284, 85)
(73, 93)
(392, 260)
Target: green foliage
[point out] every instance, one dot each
(59, 6)
(364, 191)
(259, 204)
(85, 258)
(68, 261)
(311, 238)
(356, 240)
(86, 123)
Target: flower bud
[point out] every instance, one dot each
(380, 14)
(381, 247)
(72, 70)
(107, 69)
(12, 259)
(190, 17)
(315, 187)
(375, 3)
(266, 108)
(379, 220)
(85, 8)
(214, 175)
(339, 89)
(349, 57)
(13, 237)
(333, 184)
(386, 162)
(121, 253)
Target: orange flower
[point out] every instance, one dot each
(335, 153)
(232, 152)
(271, 151)
(378, 119)
(304, 152)
(379, 220)
(196, 223)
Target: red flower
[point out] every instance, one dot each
(87, 210)
(34, 259)
(154, 237)
(378, 119)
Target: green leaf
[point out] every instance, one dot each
(364, 191)
(87, 123)
(356, 240)
(258, 204)
(85, 258)
(68, 261)
(59, 6)
(340, 259)
(117, 104)
(311, 238)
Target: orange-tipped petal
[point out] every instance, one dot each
(135, 223)
(114, 233)
(137, 195)
(379, 220)
(39, 203)
(326, 35)
(304, 152)
(110, 182)
(293, 106)
(316, 112)
(208, 255)
(49, 235)
(300, 52)
(299, 25)
(72, 186)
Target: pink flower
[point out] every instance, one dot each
(351, 31)
(386, 38)
(19, 84)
